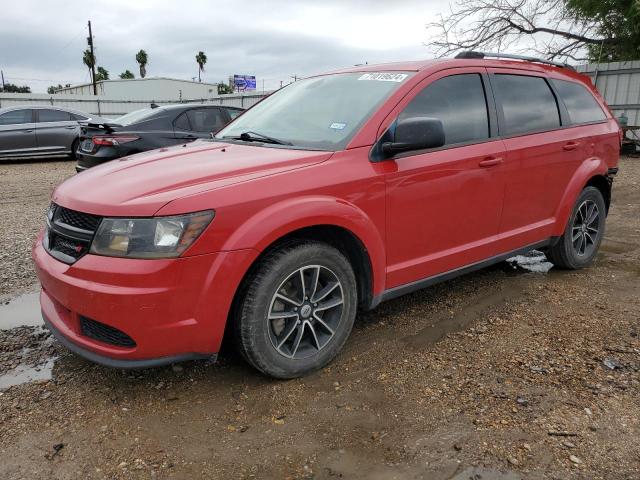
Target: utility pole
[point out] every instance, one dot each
(93, 64)
(2, 75)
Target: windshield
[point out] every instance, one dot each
(135, 117)
(321, 113)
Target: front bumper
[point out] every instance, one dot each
(174, 309)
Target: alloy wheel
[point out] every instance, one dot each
(305, 312)
(585, 228)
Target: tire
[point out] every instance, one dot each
(281, 333)
(74, 149)
(578, 246)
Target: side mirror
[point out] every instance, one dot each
(417, 133)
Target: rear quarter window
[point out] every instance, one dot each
(581, 105)
(527, 103)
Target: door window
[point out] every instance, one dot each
(206, 120)
(528, 104)
(46, 115)
(233, 113)
(459, 102)
(581, 105)
(182, 123)
(16, 117)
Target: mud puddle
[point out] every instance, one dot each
(21, 311)
(25, 374)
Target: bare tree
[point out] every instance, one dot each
(547, 27)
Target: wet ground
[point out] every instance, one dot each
(518, 371)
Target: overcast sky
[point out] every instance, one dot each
(41, 42)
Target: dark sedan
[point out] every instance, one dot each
(150, 128)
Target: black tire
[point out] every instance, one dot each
(574, 249)
(74, 149)
(260, 337)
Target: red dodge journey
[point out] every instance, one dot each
(331, 195)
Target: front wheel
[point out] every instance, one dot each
(297, 310)
(579, 244)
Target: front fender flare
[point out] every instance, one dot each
(275, 221)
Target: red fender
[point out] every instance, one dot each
(282, 218)
(590, 168)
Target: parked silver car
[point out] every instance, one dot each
(27, 132)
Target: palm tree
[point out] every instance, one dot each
(102, 74)
(201, 58)
(142, 59)
(89, 60)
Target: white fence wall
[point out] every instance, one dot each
(111, 107)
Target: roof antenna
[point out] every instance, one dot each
(154, 105)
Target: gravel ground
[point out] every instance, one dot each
(502, 374)
(25, 191)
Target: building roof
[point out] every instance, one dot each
(137, 80)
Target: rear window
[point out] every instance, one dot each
(136, 117)
(528, 104)
(581, 105)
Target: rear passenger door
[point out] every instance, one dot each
(17, 132)
(541, 158)
(444, 205)
(56, 130)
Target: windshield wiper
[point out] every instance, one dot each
(258, 137)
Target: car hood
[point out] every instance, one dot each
(142, 184)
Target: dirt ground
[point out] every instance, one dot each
(503, 374)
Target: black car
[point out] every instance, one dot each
(150, 128)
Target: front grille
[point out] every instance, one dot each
(70, 233)
(104, 333)
(75, 219)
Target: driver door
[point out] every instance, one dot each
(444, 205)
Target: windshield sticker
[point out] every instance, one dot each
(338, 126)
(384, 77)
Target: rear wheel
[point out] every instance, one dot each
(297, 310)
(74, 149)
(578, 246)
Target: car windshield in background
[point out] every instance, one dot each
(321, 113)
(135, 117)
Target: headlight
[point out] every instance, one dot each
(160, 237)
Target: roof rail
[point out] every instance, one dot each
(473, 54)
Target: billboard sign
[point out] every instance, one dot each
(242, 83)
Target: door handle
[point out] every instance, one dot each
(70, 127)
(570, 146)
(27, 131)
(490, 162)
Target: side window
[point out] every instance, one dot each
(233, 113)
(206, 120)
(16, 117)
(182, 123)
(53, 116)
(581, 105)
(528, 104)
(459, 101)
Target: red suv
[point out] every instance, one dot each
(331, 195)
